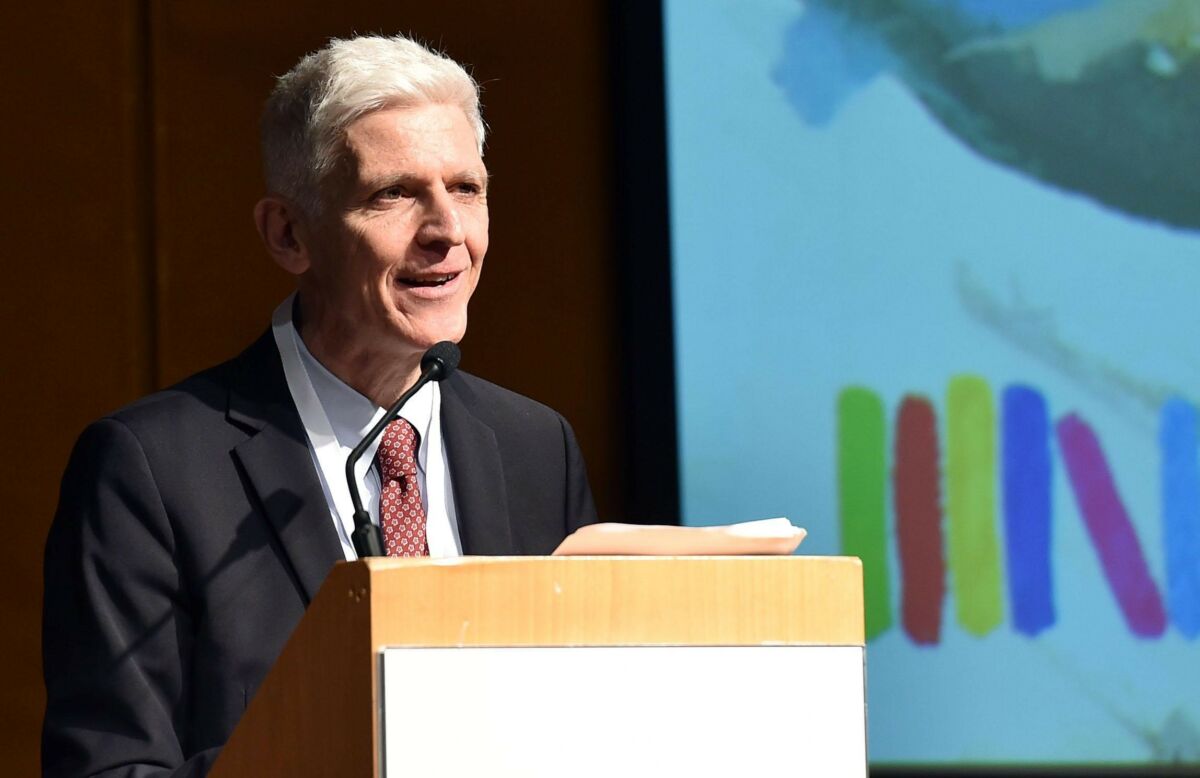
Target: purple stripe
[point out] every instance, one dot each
(1110, 529)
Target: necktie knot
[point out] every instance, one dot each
(397, 453)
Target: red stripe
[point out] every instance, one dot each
(916, 483)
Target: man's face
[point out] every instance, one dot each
(398, 251)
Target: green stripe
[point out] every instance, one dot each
(971, 497)
(862, 483)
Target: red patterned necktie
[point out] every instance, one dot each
(400, 513)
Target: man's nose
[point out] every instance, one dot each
(441, 222)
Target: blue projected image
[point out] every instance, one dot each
(963, 238)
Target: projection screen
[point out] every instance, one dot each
(935, 272)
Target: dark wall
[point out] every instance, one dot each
(131, 169)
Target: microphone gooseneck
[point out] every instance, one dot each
(436, 364)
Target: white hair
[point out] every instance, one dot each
(306, 116)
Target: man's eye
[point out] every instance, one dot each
(468, 188)
(391, 193)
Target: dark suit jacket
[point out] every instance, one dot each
(192, 532)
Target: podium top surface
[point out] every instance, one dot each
(606, 601)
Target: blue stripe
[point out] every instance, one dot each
(1181, 513)
(1027, 508)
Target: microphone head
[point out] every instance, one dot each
(442, 359)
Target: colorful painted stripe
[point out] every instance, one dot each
(971, 505)
(1027, 508)
(1110, 528)
(1181, 513)
(862, 484)
(966, 544)
(919, 521)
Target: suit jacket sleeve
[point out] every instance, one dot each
(117, 622)
(580, 508)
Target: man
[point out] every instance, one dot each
(195, 525)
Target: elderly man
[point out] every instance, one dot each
(195, 525)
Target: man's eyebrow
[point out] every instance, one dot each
(483, 177)
(384, 180)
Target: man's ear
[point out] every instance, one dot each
(282, 231)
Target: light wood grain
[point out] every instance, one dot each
(609, 601)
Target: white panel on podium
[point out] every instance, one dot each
(650, 711)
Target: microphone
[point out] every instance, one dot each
(437, 363)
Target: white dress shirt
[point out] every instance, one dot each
(336, 417)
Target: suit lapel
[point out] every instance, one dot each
(279, 467)
(477, 474)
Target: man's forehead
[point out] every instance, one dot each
(391, 140)
(431, 125)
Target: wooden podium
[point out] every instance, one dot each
(567, 666)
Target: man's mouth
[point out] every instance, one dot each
(427, 281)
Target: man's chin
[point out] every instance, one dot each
(424, 339)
